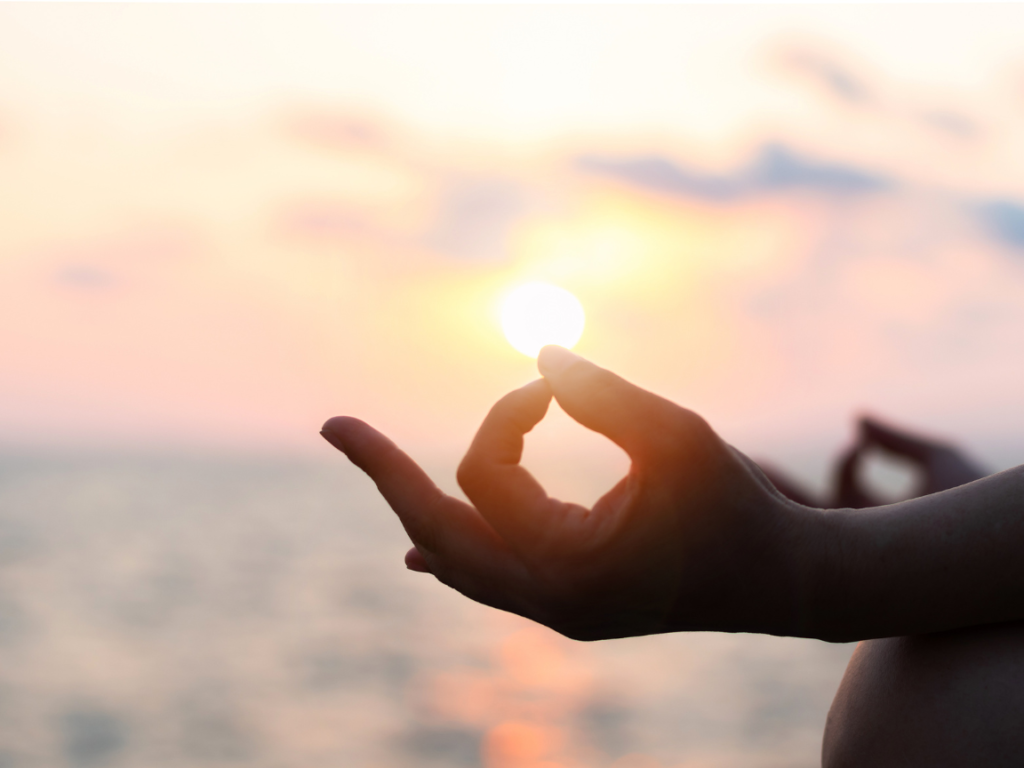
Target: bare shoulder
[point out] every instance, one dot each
(947, 699)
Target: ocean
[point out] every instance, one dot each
(161, 612)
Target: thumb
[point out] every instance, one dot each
(640, 422)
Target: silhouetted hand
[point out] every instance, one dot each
(941, 465)
(694, 537)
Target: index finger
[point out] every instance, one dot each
(898, 441)
(504, 492)
(458, 545)
(436, 522)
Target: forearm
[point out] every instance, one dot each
(949, 560)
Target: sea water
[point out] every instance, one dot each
(167, 612)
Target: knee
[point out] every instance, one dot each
(949, 699)
(860, 729)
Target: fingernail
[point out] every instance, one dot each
(552, 360)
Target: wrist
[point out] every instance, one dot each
(928, 564)
(825, 589)
(808, 561)
(856, 566)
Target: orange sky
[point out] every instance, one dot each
(222, 224)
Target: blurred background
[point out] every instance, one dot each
(222, 224)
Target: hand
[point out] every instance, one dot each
(693, 538)
(942, 466)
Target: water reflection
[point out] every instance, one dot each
(202, 613)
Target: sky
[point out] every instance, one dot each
(222, 224)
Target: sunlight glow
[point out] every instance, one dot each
(536, 314)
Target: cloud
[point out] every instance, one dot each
(475, 217)
(325, 220)
(781, 168)
(950, 123)
(337, 131)
(775, 168)
(829, 75)
(469, 217)
(1004, 221)
(841, 83)
(659, 174)
(106, 263)
(85, 277)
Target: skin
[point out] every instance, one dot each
(696, 537)
(943, 699)
(940, 465)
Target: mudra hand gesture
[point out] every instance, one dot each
(694, 537)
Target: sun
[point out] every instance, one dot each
(536, 314)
